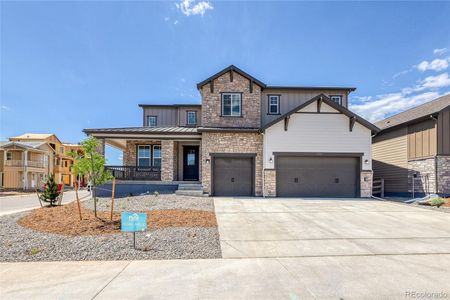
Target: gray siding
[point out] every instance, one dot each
(182, 115)
(166, 116)
(444, 132)
(289, 99)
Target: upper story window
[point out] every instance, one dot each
(192, 118)
(8, 156)
(336, 98)
(61, 150)
(274, 105)
(151, 121)
(232, 104)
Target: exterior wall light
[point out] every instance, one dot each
(271, 159)
(208, 161)
(366, 161)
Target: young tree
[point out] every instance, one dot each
(91, 163)
(50, 193)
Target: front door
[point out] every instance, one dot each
(190, 163)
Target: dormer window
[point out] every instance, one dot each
(151, 121)
(336, 98)
(232, 104)
(191, 118)
(274, 104)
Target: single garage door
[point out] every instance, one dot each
(317, 176)
(233, 176)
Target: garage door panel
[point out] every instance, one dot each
(233, 176)
(317, 176)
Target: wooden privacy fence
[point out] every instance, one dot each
(378, 187)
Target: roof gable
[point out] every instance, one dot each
(231, 68)
(323, 98)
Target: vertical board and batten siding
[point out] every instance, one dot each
(317, 133)
(182, 115)
(422, 139)
(289, 99)
(443, 129)
(390, 159)
(166, 116)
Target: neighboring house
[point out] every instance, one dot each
(414, 146)
(26, 165)
(250, 139)
(2, 163)
(29, 158)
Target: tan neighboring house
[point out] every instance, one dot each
(413, 147)
(247, 138)
(30, 158)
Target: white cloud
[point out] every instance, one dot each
(440, 51)
(3, 107)
(120, 157)
(435, 65)
(189, 7)
(388, 104)
(434, 82)
(175, 22)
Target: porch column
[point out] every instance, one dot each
(25, 170)
(101, 147)
(169, 160)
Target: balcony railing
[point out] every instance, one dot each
(21, 163)
(135, 173)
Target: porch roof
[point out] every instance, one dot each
(144, 130)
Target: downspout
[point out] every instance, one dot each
(436, 180)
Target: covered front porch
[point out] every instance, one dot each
(170, 154)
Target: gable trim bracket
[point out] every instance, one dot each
(286, 122)
(352, 123)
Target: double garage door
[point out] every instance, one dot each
(299, 176)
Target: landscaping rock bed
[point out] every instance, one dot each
(177, 233)
(151, 202)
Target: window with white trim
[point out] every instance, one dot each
(192, 118)
(157, 156)
(144, 156)
(336, 98)
(231, 104)
(274, 104)
(151, 121)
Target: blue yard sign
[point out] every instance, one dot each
(132, 221)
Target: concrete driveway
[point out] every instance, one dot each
(257, 228)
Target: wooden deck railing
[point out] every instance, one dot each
(135, 173)
(21, 163)
(378, 187)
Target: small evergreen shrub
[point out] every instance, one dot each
(50, 193)
(438, 202)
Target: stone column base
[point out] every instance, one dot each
(270, 183)
(366, 183)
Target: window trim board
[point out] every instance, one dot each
(279, 104)
(221, 104)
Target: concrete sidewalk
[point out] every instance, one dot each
(346, 277)
(14, 204)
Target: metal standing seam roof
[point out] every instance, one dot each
(143, 130)
(424, 110)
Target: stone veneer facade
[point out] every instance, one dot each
(231, 142)
(212, 102)
(443, 173)
(425, 182)
(169, 160)
(130, 155)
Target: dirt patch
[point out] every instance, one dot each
(180, 218)
(447, 204)
(65, 220)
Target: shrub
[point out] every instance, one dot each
(50, 193)
(438, 202)
(156, 193)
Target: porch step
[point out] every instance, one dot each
(190, 189)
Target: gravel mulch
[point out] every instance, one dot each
(151, 202)
(166, 238)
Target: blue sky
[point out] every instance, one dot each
(66, 66)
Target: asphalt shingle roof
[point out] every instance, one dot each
(418, 112)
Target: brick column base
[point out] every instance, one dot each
(270, 183)
(366, 183)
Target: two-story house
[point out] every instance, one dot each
(247, 138)
(30, 158)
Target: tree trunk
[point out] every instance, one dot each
(94, 195)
